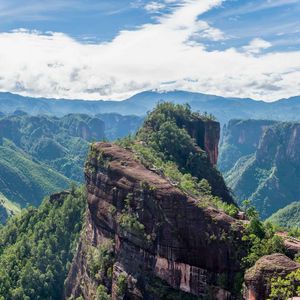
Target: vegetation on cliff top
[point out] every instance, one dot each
(165, 144)
(37, 246)
(283, 288)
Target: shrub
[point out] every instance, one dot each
(285, 288)
(121, 284)
(102, 293)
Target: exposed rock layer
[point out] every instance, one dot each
(184, 246)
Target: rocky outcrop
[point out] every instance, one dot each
(158, 238)
(257, 279)
(291, 244)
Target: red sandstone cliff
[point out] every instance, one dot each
(159, 238)
(207, 136)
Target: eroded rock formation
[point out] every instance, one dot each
(159, 238)
(257, 279)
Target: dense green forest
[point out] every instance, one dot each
(40, 155)
(37, 246)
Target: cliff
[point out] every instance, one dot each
(153, 240)
(267, 167)
(206, 134)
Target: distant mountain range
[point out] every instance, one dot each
(223, 108)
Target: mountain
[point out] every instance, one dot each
(265, 163)
(60, 143)
(40, 155)
(43, 153)
(240, 138)
(156, 199)
(288, 216)
(155, 221)
(158, 203)
(223, 108)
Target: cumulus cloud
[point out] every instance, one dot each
(257, 45)
(159, 56)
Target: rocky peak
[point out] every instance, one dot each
(160, 238)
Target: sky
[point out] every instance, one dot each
(113, 49)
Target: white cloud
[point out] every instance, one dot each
(55, 65)
(154, 6)
(257, 45)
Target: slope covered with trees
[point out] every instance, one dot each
(37, 246)
(40, 155)
(171, 141)
(288, 216)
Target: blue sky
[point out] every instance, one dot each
(112, 49)
(99, 21)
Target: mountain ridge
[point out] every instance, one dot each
(224, 108)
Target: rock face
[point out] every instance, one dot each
(159, 238)
(207, 136)
(257, 279)
(267, 167)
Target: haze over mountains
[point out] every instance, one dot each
(224, 109)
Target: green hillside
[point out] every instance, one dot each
(37, 246)
(40, 155)
(25, 181)
(60, 143)
(288, 216)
